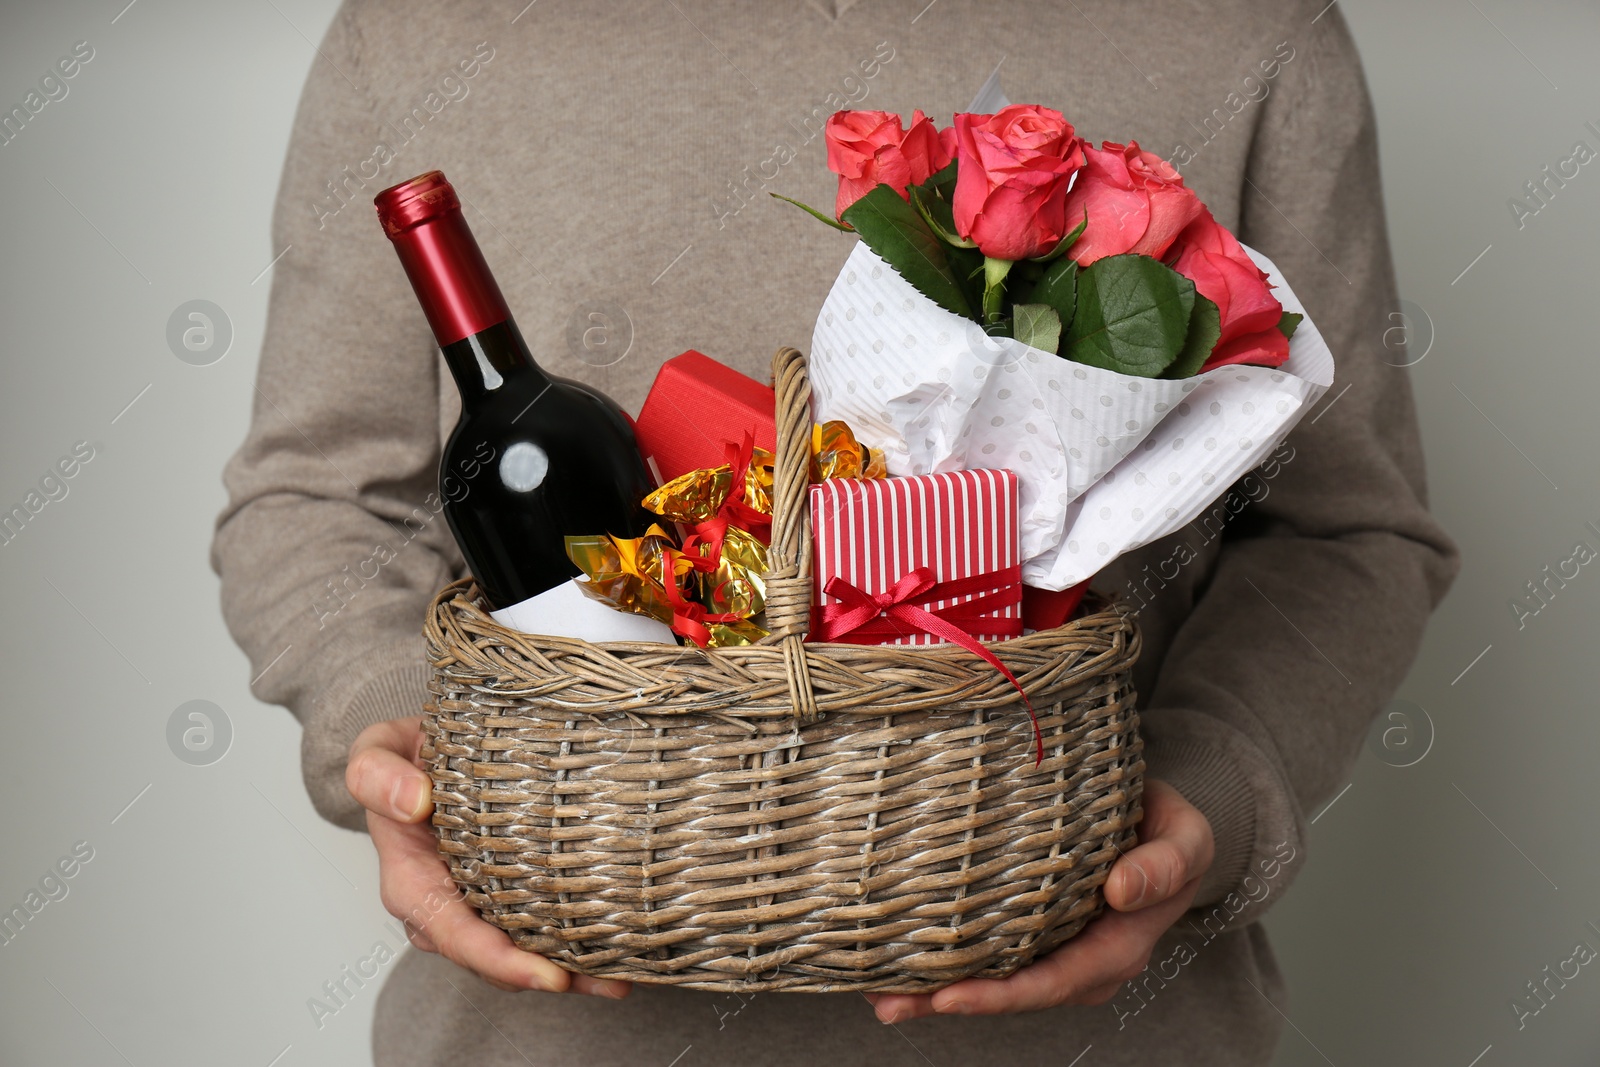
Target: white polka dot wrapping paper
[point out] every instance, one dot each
(1107, 462)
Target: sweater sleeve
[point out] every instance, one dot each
(1319, 596)
(332, 541)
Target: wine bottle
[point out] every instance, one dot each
(534, 457)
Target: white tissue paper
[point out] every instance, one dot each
(1107, 461)
(566, 611)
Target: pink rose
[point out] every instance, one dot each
(1225, 274)
(867, 149)
(1012, 175)
(1136, 202)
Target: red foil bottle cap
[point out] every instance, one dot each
(452, 281)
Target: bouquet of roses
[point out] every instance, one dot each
(1022, 299)
(1101, 255)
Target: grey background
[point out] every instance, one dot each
(216, 902)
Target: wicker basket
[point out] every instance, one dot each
(782, 816)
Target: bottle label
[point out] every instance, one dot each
(564, 611)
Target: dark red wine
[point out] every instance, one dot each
(534, 457)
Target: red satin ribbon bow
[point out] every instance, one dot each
(735, 508)
(866, 618)
(733, 511)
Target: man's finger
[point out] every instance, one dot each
(898, 1007)
(381, 776)
(415, 883)
(615, 988)
(1149, 888)
(1108, 952)
(416, 887)
(1147, 875)
(1099, 995)
(401, 735)
(420, 939)
(466, 940)
(1175, 846)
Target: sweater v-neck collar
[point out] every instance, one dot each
(833, 9)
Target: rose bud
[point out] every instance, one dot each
(871, 148)
(1225, 274)
(1012, 175)
(1135, 200)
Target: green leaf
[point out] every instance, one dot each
(1288, 322)
(1058, 288)
(893, 229)
(944, 227)
(1205, 326)
(1065, 242)
(1037, 325)
(935, 196)
(1132, 317)
(829, 219)
(943, 183)
(967, 265)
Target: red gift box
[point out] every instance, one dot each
(1045, 609)
(694, 408)
(941, 545)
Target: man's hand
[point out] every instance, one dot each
(383, 775)
(1149, 888)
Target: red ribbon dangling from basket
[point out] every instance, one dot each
(900, 608)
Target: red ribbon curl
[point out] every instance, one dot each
(735, 508)
(689, 617)
(733, 511)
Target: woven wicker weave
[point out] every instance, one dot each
(783, 816)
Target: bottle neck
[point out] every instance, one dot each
(489, 360)
(453, 283)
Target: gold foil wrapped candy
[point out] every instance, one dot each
(835, 453)
(739, 491)
(733, 574)
(651, 576)
(711, 589)
(629, 573)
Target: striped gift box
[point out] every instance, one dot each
(961, 526)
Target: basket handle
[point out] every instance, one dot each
(788, 578)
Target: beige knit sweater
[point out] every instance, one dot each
(619, 152)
